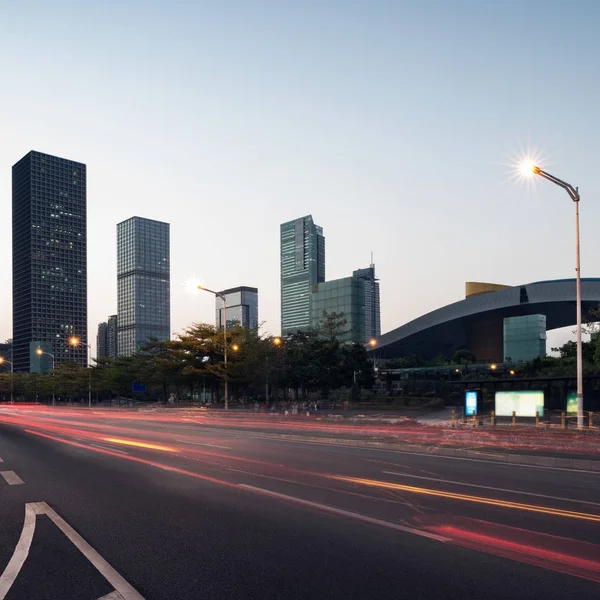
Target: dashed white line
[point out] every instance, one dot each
(11, 478)
(494, 489)
(1, 459)
(347, 513)
(20, 554)
(204, 444)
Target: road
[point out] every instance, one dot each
(185, 505)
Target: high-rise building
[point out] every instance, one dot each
(372, 302)
(302, 267)
(6, 354)
(49, 258)
(347, 296)
(102, 340)
(524, 338)
(241, 307)
(143, 283)
(112, 338)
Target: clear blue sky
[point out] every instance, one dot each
(389, 122)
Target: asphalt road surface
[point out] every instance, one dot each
(184, 505)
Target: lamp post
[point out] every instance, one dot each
(224, 299)
(76, 342)
(12, 377)
(276, 343)
(573, 192)
(40, 352)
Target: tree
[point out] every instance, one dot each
(463, 357)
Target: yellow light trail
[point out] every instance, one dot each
(139, 444)
(557, 512)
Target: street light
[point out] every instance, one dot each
(277, 341)
(12, 376)
(76, 342)
(224, 299)
(532, 169)
(41, 352)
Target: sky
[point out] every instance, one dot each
(395, 124)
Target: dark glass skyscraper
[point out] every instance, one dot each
(102, 340)
(143, 283)
(302, 267)
(372, 302)
(49, 258)
(112, 337)
(242, 307)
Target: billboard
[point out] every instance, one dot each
(470, 403)
(525, 403)
(572, 403)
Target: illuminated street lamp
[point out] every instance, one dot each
(493, 366)
(76, 342)
(235, 347)
(224, 299)
(41, 352)
(529, 168)
(12, 376)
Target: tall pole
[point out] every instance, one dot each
(579, 345)
(267, 381)
(224, 299)
(52, 359)
(574, 195)
(12, 382)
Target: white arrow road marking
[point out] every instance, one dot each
(11, 478)
(20, 554)
(123, 590)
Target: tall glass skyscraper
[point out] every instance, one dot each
(372, 302)
(302, 267)
(342, 296)
(49, 259)
(242, 307)
(143, 283)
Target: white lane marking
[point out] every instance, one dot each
(499, 463)
(112, 596)
(11, 478)
(125, 589)
(108, 448)
(347, 513)
(20, 554)
(1, 459)
(204, 444)
(495, 489)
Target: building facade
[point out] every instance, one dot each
(302, 247)
(241, 307)
(524, 338)
(112, 345)
(49, 258)
(347, 296)
(143, 283)
(102, 340)
(6, 354)
(372, 302)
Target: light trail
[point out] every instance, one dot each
(139, 444)
(556, 512)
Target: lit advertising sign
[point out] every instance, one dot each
(572, 403)
(470, 403)
(524, 404)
